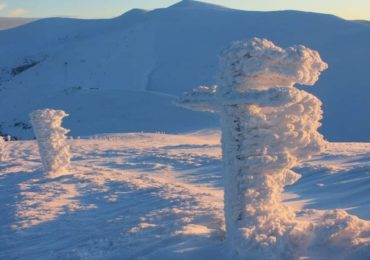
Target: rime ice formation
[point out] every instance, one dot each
(259, 64)
(3, 155)
(51, 140)
(268, 126)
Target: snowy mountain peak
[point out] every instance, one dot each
(132, 13)
(191, 4)
(136, 11)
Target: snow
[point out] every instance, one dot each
(260, 64)
(160, 196)
(99, 111)
(169, 51)
(189, 4)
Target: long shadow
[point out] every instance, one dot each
(107, 231)
(9, 199)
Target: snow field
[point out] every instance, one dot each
(160, 196)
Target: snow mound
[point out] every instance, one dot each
(338, 231)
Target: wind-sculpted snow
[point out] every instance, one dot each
(54, 151)
(268, 128)
(338, 231)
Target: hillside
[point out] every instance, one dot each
(169, 51)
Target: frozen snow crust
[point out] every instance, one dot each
(54, 151)
(268, 127)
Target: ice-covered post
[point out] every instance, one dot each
(54, 151)
(268, 126)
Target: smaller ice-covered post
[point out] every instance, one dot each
(3, 153)
(268, 126)
(54, 151)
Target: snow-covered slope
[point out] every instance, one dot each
(172, 50)
(95, 111)
(155, 196)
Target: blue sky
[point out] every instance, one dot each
(350, 9)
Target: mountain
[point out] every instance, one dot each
(91, 68)
(363, 21)
(10, 22)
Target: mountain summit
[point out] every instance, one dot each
(191, 4)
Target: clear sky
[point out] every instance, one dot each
(350, 9)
